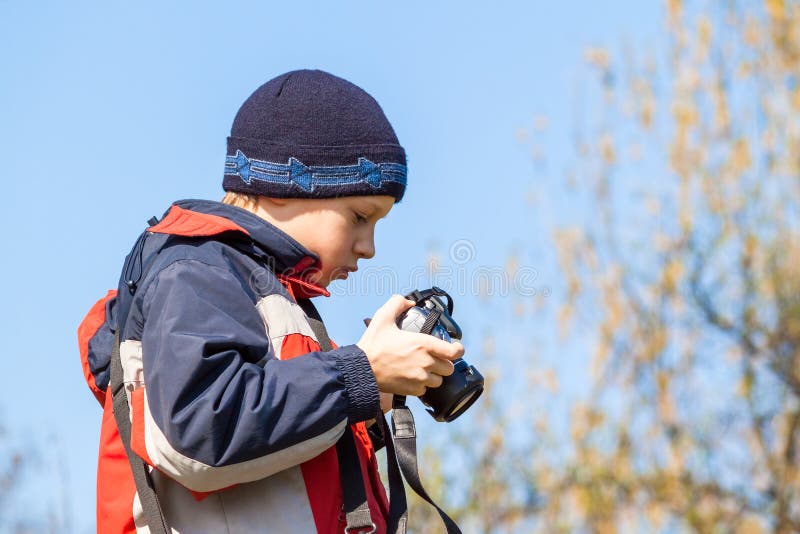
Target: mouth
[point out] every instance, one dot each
(344, 272)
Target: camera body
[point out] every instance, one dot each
(432, 316)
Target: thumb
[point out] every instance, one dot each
(393, 308)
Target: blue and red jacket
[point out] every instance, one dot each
(232, 403)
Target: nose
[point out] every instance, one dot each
(365, 246)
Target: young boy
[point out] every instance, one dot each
(233, 406)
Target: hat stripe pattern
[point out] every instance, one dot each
(310, 177)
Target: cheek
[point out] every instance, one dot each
(335, 241)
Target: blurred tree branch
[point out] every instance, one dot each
(685, 276)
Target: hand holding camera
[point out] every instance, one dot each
(405, 363)
(410, 346)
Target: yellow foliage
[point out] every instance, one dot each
(752, 32)
(662, 380)
(746, 385)
(655, 516)
(750, 245)
(605, 526)
(722, 117)
(640, 302)
(601, 352)
(793, 477)
(564, 319)
(583, 500)
(598, 57)
(775, 9)
(704, 31)
(607, 148)
(674, 8)
(551, 380)
(643, 97)
(740, 159)
(672, 274)
(655, 341)
(750, 525)
(646, 113)
(685, 114)
(666, 407)
(685, 210)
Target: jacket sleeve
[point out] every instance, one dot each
(219, 409)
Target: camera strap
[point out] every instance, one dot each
(401, 454)
(402, 458)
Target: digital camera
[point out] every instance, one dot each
(431, 316)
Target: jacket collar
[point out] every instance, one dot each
(206, 218)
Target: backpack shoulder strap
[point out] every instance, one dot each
(135, 268)
(153, 513)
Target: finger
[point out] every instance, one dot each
(418, 391)
(443, 349)
(393, 307)
(441, 367)
(433, 380)
(386, 401)
(403, 305)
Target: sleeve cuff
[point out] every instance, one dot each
(359, 383)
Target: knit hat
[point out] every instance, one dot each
(309, 134)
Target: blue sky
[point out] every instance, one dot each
(111, 110)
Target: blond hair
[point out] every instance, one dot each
(246, 201)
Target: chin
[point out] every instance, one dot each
(318, 279)
(324, 279)
(338, 277)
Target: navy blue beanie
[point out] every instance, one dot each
(309, 134)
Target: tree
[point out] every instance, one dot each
(685, 274)
(26, 508)
(9, 475)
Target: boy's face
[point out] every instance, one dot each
(339, 230)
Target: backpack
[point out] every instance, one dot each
(97, 329)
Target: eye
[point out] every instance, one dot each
(359, 218)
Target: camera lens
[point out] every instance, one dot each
(456, 394)
(465, 403)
